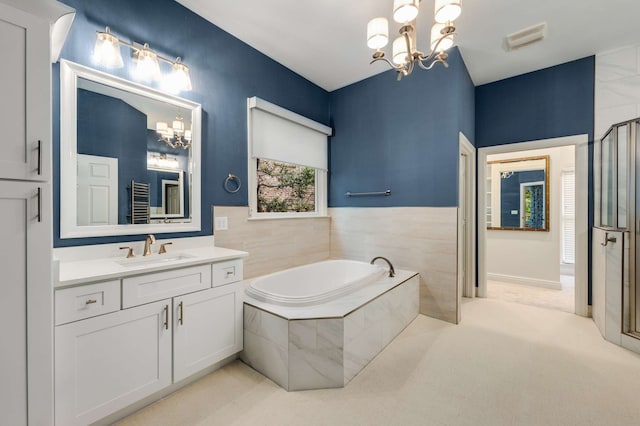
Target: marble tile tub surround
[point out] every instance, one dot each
(617, 91)
(423, 239)
(273, 244)
(325, 352)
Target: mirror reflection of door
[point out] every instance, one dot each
(171, 197)
(97, 190)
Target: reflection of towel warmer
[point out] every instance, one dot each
(140, 212)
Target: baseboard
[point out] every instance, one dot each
(513, 279)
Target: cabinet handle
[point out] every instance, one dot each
(39, 157)
(91, 301)
(229, 273)
(166, 317)
(39, 204)
(181, 316)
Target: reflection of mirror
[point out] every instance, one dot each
(517, 194)
(126, 169)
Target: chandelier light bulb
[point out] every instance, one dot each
(405, 10)
(377, 33)
(447, 10)
(436, 34)
(400, 51)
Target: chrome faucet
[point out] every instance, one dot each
(147, 244)
(392, 272)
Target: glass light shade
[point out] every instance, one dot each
(161, 127)
(447, 10)
(399, 54)
(179, 79)
(436, 34)
(405, 10)
(377, 33)
(147, 68)
(106, 51)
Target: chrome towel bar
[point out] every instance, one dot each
(355, 194)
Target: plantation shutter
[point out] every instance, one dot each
(281, 135)
(568, 217)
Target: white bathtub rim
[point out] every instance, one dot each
(371, 274)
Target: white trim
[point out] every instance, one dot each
(69, 73)
(581, 143)
(470, 288)
(274, 109)
(515, 279)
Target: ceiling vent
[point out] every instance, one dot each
(525, 37)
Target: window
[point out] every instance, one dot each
(287, 163)
(568, 216)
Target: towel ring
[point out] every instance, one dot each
(231, 177)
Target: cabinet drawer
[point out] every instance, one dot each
(86, 301)
(164, 285)
(227, 272)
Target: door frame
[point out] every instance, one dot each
(581, 143)
(468, 252)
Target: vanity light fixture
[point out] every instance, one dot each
(405, 54)
(175, 136)
(147, 68)
(162, 161)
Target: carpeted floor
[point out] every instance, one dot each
(505, 364)
(563, 300)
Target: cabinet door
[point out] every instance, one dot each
(105, 363)
(25, 116)
(25, 304)
(208, 328)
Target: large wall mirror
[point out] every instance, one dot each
(129, 157)
(518, 194)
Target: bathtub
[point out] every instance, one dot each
(317, 326)
(314, 283)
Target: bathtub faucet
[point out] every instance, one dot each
(392, 272)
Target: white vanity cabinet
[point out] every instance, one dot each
(107, 362)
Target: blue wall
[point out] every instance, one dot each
(549, 103)
(224, 73)
(109, 127)
(401, 136)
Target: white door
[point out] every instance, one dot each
(25, 87)
(25, 309)
(106, 363)
(97, 190)
(208, 328)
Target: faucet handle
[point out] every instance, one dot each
(163, 249)
(129, 253)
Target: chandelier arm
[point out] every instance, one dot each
(395, 67)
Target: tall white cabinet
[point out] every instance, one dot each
(26, 353)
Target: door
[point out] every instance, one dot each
(25, 305)
(108, 362)
(25, 87)
(97, 190)
(207, 328)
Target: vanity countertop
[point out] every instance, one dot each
(74, 272)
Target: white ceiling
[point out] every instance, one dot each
(325, 40)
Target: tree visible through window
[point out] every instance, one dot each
(284, 187)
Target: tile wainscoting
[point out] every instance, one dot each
(422, 239)
(275, 244)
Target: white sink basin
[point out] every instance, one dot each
(156, 259)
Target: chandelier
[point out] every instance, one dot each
(405, 54)
(175, 136)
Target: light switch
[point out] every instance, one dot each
(513, 212)
(221, 223)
